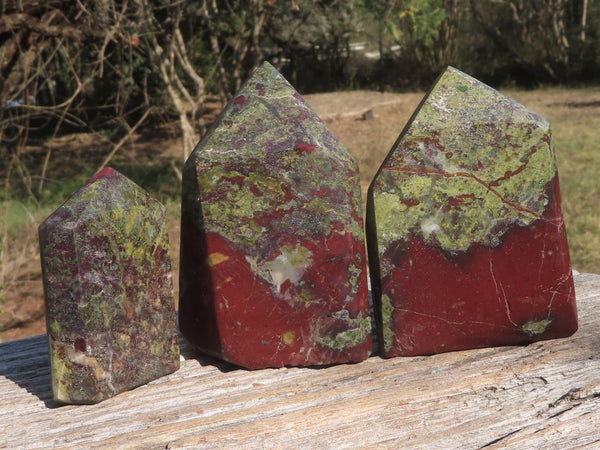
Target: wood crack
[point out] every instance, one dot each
(501, 438)
(561, 412)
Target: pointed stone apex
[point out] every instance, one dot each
(455, 89)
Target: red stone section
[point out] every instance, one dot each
(519, 292)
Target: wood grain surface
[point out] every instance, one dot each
(545, 395)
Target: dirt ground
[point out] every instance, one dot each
(366, 122)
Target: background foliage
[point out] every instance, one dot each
(110, 66)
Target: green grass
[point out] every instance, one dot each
(577, 141)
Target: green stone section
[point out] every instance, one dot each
(387, 322)
(536, 327)
(471, 164)
(274, 128)
(358, 330)
(237, 203)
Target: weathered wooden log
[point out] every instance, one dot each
(545, 395)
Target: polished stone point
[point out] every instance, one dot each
(109, 291)
(467, 244)
(273, 267)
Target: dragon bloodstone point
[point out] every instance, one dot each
(467, 244)
(109, 292)
(273, 267)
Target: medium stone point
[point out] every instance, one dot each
(273, 267)
(108, 287)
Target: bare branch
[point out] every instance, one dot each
(124, 139)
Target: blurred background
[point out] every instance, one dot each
(136, 83)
